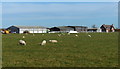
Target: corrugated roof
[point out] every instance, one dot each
(70, 26)
(29, 27)
(63, 27)
(92, 28)
(78, 26)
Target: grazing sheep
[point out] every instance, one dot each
(89, 36)
(23, 37)
(53, 41)
(43, 42)
(22, 42)
(76, 35)
(59, 35)
(68, 33)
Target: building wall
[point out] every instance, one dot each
(54, 29)
(13, 29)
(99, 30)
(81, 29)
(102, 29)
(66, 29)
(34, 30)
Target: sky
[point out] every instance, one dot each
(0, 15)
(59, 0)
(50, 14)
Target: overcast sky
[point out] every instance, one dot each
(51, 14)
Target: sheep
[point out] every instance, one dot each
(76, 35)
(63, 33)
(23, 37)
(68, 33)
(43, 42)
(53, 41)
(22, 42)
(59, 35)
(89, 36)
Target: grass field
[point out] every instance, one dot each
(99, 51)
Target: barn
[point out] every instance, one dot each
(54, 30)
(107, 28)
(27, 29)
(67, 29)
(80, 28)
(92, 30)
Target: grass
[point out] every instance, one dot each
(99, 51)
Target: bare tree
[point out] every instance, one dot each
(94, 26)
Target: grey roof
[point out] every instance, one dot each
(63, 27)
(29, 27)
(71, 26)
(92, 28)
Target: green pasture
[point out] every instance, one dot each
(101, 50)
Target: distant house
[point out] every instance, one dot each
(67, 29)
(107, 28)
(27, 29)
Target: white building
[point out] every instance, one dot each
(99, 30)
(73, 32)
(30, 29)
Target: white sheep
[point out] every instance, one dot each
(53, 41)
(23, 37)
(89, 36)
(43, 42)
(22, 42)
(59, 35)
(63, 33)
(76, 35)
(68, 33)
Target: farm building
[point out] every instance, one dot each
(117, 30)
(92, 30)
(54, 30)
(67, 29)
(27, 29)
(80, 28)
(107, 28)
